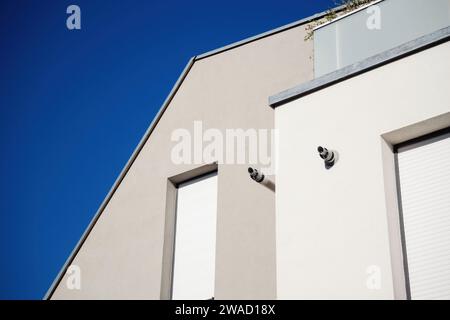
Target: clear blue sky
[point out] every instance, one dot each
(74, 105)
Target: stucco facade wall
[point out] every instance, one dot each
(333, 225)
(122, 258)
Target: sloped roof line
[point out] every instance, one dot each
(153, 125)
(119, 179)
(266, 34)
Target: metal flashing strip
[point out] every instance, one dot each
(268, 33)
(399, 52)
(119, 179)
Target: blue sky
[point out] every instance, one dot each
(74, 105)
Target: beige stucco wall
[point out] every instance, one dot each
(333, 224)
(122, 257)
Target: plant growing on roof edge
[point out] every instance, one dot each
(343, 7)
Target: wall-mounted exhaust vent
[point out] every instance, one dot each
(256, 175)
(328, 156)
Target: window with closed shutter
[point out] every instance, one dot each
(424, 179)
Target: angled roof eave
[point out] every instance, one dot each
(267, 34)
(119, 179)
(399, 52)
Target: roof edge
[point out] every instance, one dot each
(119, 179)
(364, 7)
(353, 70)
(267, 33)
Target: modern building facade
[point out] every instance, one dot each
(372, 223)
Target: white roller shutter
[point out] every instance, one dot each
(195, 240)
(424, 173)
